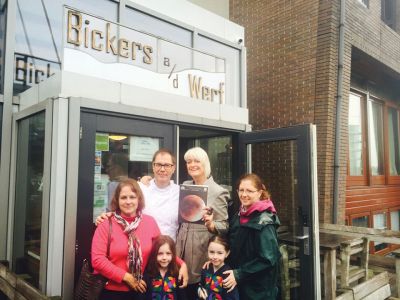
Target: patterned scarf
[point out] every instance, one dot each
(164, 288)
(213, 284)
(262, 205)
(134, 258)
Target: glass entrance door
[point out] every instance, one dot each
(284, 159)
(111, 148)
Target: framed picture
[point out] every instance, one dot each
(192, 201)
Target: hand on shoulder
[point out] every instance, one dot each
(103, 217)
(146, 180)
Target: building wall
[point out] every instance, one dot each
(219, 7)
(375, 69)
(369, 34)
(292, 63)
(292, 68)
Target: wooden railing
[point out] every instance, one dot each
(14, 287)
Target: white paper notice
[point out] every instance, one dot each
(143, 148)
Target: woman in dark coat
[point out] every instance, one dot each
(255, 252)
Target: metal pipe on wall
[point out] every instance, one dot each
(339, 97)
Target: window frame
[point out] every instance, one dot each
(390, 210)
(381, 178)
(391, 179)
(360, 180)
(367, 179)
(359, 215)
(364, 3)
(390, 21)
(372, 244)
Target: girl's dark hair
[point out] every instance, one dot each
(152, 265)
(220, 240)
(258, 184)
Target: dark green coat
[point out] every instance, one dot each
(255, 256)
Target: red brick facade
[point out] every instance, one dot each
(292, 66)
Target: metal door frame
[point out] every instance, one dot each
(90, 123)
(305, 136)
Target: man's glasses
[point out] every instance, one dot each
(248, 192)
(158, 166)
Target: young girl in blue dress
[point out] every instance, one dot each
(210, 287)
(161, 275)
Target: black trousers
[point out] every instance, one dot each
(191, 291)
(117, 295)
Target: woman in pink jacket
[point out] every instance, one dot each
(131, 241)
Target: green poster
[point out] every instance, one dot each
(101, 142)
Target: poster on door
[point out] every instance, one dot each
(143, 148)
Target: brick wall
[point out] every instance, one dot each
(288, 44)
(371, 35)
(292, 61)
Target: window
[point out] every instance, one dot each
(388, 12)
(380, 222)
(38, 36)
(364, 2)
(118, 156)
(375, 130)
(360, 221)
(368, 161)
(27, 250)
(393, 137)
(232, 61)
(147, 23)
(394, 220)
(356, 155)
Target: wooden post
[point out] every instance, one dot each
(397, 256)
(365, 257)
(330, 274)
(345, 265)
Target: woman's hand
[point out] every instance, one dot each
(206, 264)
(103, 217)
(230, 281)
(146, 180)
(183, 276)
(134, 284)
(208, 219)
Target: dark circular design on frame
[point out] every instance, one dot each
(191, 208)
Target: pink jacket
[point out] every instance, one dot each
(115, 267)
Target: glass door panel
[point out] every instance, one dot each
(276, 164)
(111, 148)
(118, 156)
(283, 159)
(217, 144)
(219, 150)
(28, 198)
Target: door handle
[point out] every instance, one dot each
(301, 237)
(306, 239)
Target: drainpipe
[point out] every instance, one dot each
(338, 112)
